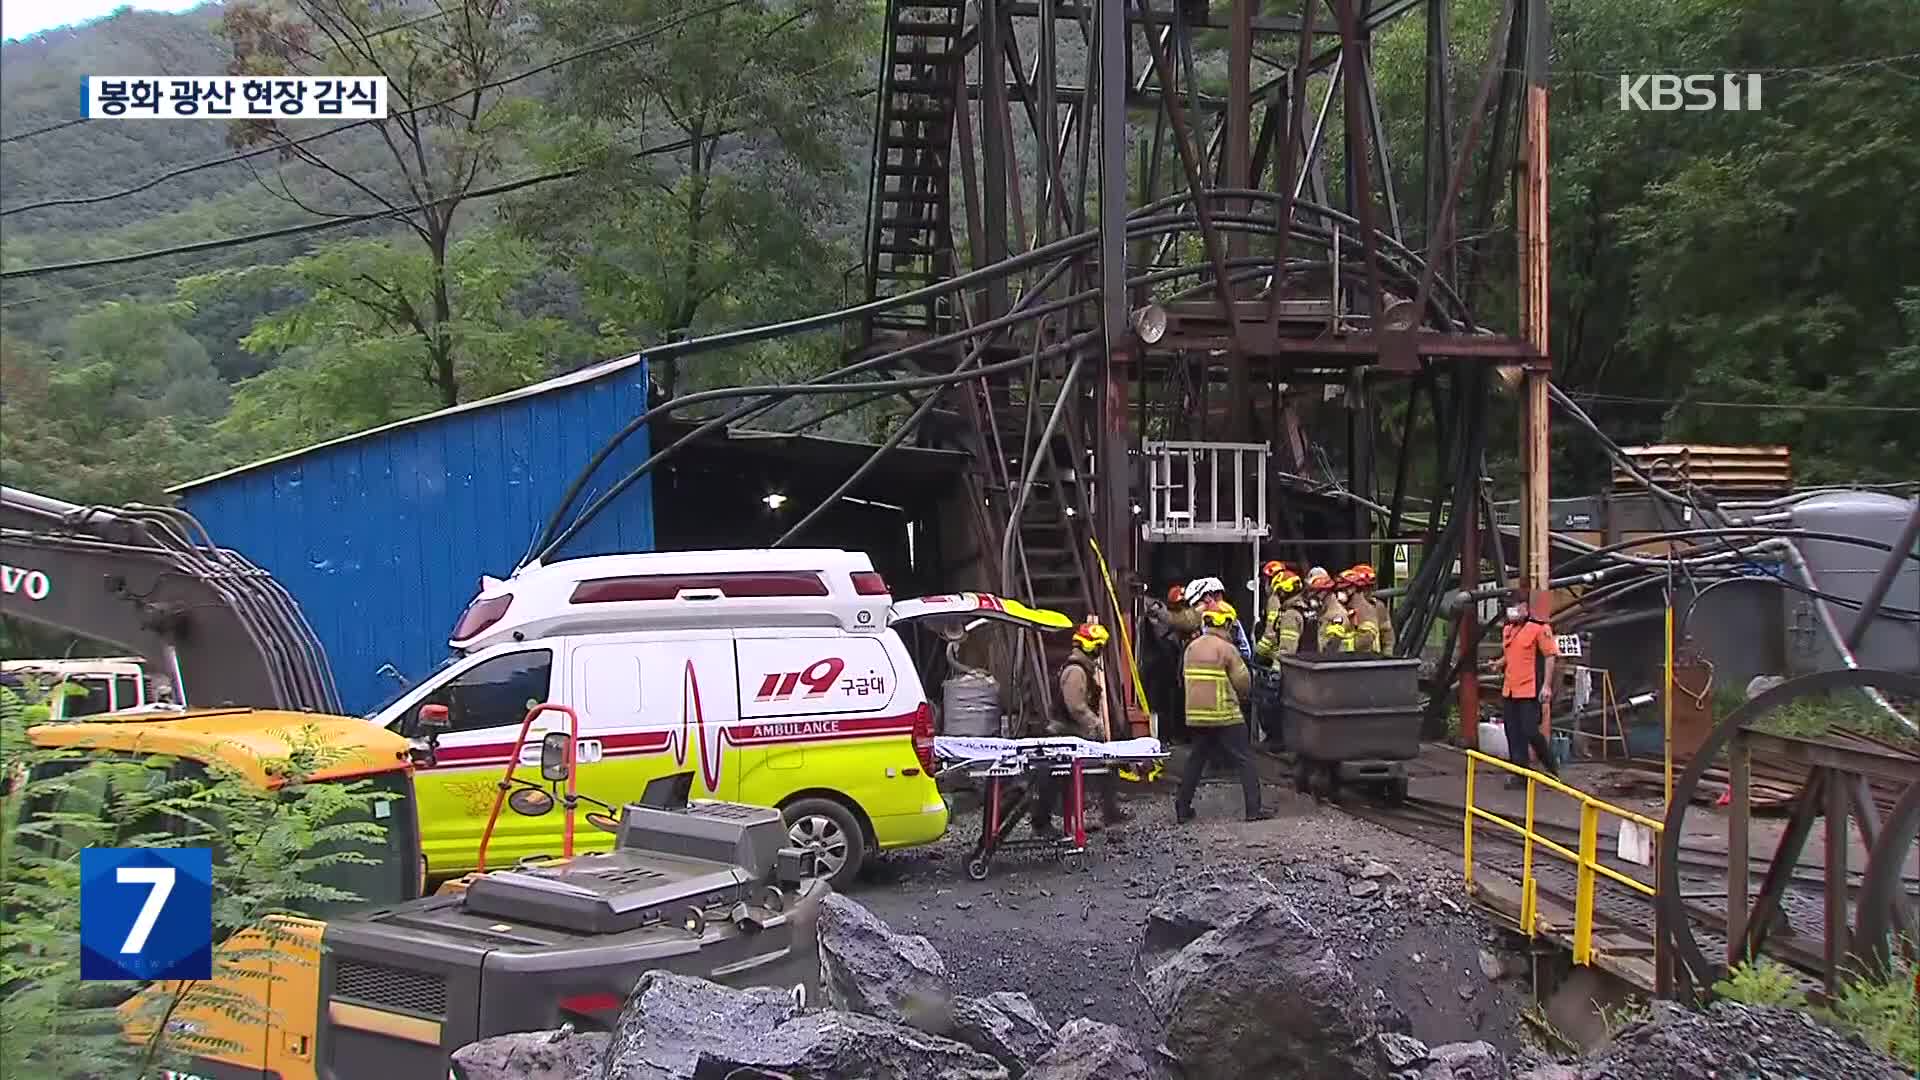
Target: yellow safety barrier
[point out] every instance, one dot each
(1587, 859)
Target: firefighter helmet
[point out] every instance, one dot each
(1360, 577)
(1220, 614)
(1200, 588)
(1286, 582)
(1318, 580)
(1176, 595)
(1090, 637)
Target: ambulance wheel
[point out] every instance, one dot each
(834, 835)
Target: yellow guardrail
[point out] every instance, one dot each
(1587, 859)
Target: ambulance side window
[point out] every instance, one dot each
(496, 692)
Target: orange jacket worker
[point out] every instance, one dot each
(1527, 653)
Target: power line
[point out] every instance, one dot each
(44, 130)
(211, 163)
(1860, 64)
(1818, 406)
(290, 230)
(350, 219)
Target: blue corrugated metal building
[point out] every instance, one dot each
(382, 537)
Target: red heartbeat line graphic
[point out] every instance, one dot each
(693, 722)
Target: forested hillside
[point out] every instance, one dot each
(554, 190)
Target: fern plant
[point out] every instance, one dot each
(280, 853)
(1885, 1012)
(1761, 982)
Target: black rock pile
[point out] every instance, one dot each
(1244, 986)
(1728, 1040)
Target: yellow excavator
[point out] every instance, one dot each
(728, 899)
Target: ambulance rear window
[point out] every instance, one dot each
(733, 586)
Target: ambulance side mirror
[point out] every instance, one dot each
(432, 718)
(553, 756)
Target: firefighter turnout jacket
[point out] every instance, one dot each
(1336, 626)
(1372, 624)
(1285, 623)
(1217, 680)
(1078, 712)
(1185, 621)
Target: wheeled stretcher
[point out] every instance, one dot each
(1017, 774)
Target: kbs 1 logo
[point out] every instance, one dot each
(146, 913)
(1689, 93)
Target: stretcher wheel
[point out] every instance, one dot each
(1074, 862)
(977, 869)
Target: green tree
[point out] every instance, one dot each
(445, 136)
(117, 413)
(1773, 267)
(760, 101)
(351, 355)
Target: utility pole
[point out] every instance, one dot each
(1113, 519)
(1534, 309)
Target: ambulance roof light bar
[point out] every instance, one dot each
(724, 586)
(672, 590)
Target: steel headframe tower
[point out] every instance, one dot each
(1253, 268)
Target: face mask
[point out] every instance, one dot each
(1515, 614)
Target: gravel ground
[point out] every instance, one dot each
(1067, 938)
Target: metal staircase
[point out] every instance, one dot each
(909, 231)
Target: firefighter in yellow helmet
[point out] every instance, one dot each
(1077, 712)
(1217, 680)
(1286, 617)
(1372, 622)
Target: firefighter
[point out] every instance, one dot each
(1332, 622)
(1286, 621)
(1286, 617)
(1217, 681)
(1182, 617)
(1078, 713)
(1211, 592)
(1169, 627)
(1372, 623)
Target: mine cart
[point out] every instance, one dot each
(1351, 717)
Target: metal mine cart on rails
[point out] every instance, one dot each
(1351, 718)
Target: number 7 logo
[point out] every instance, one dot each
(146, 913)
(161, 878)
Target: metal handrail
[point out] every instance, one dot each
(1587, 859)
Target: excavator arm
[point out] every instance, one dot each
(148, 579)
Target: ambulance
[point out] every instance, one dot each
(776, 677)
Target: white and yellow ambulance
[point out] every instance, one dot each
(776, 677)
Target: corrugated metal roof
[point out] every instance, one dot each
(382, 536)
(559, 382)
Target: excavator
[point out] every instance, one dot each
(245, 683)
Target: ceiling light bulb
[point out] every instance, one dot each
(775, 500)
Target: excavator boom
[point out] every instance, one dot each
(150, 580)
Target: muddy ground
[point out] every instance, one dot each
(1067, 938)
